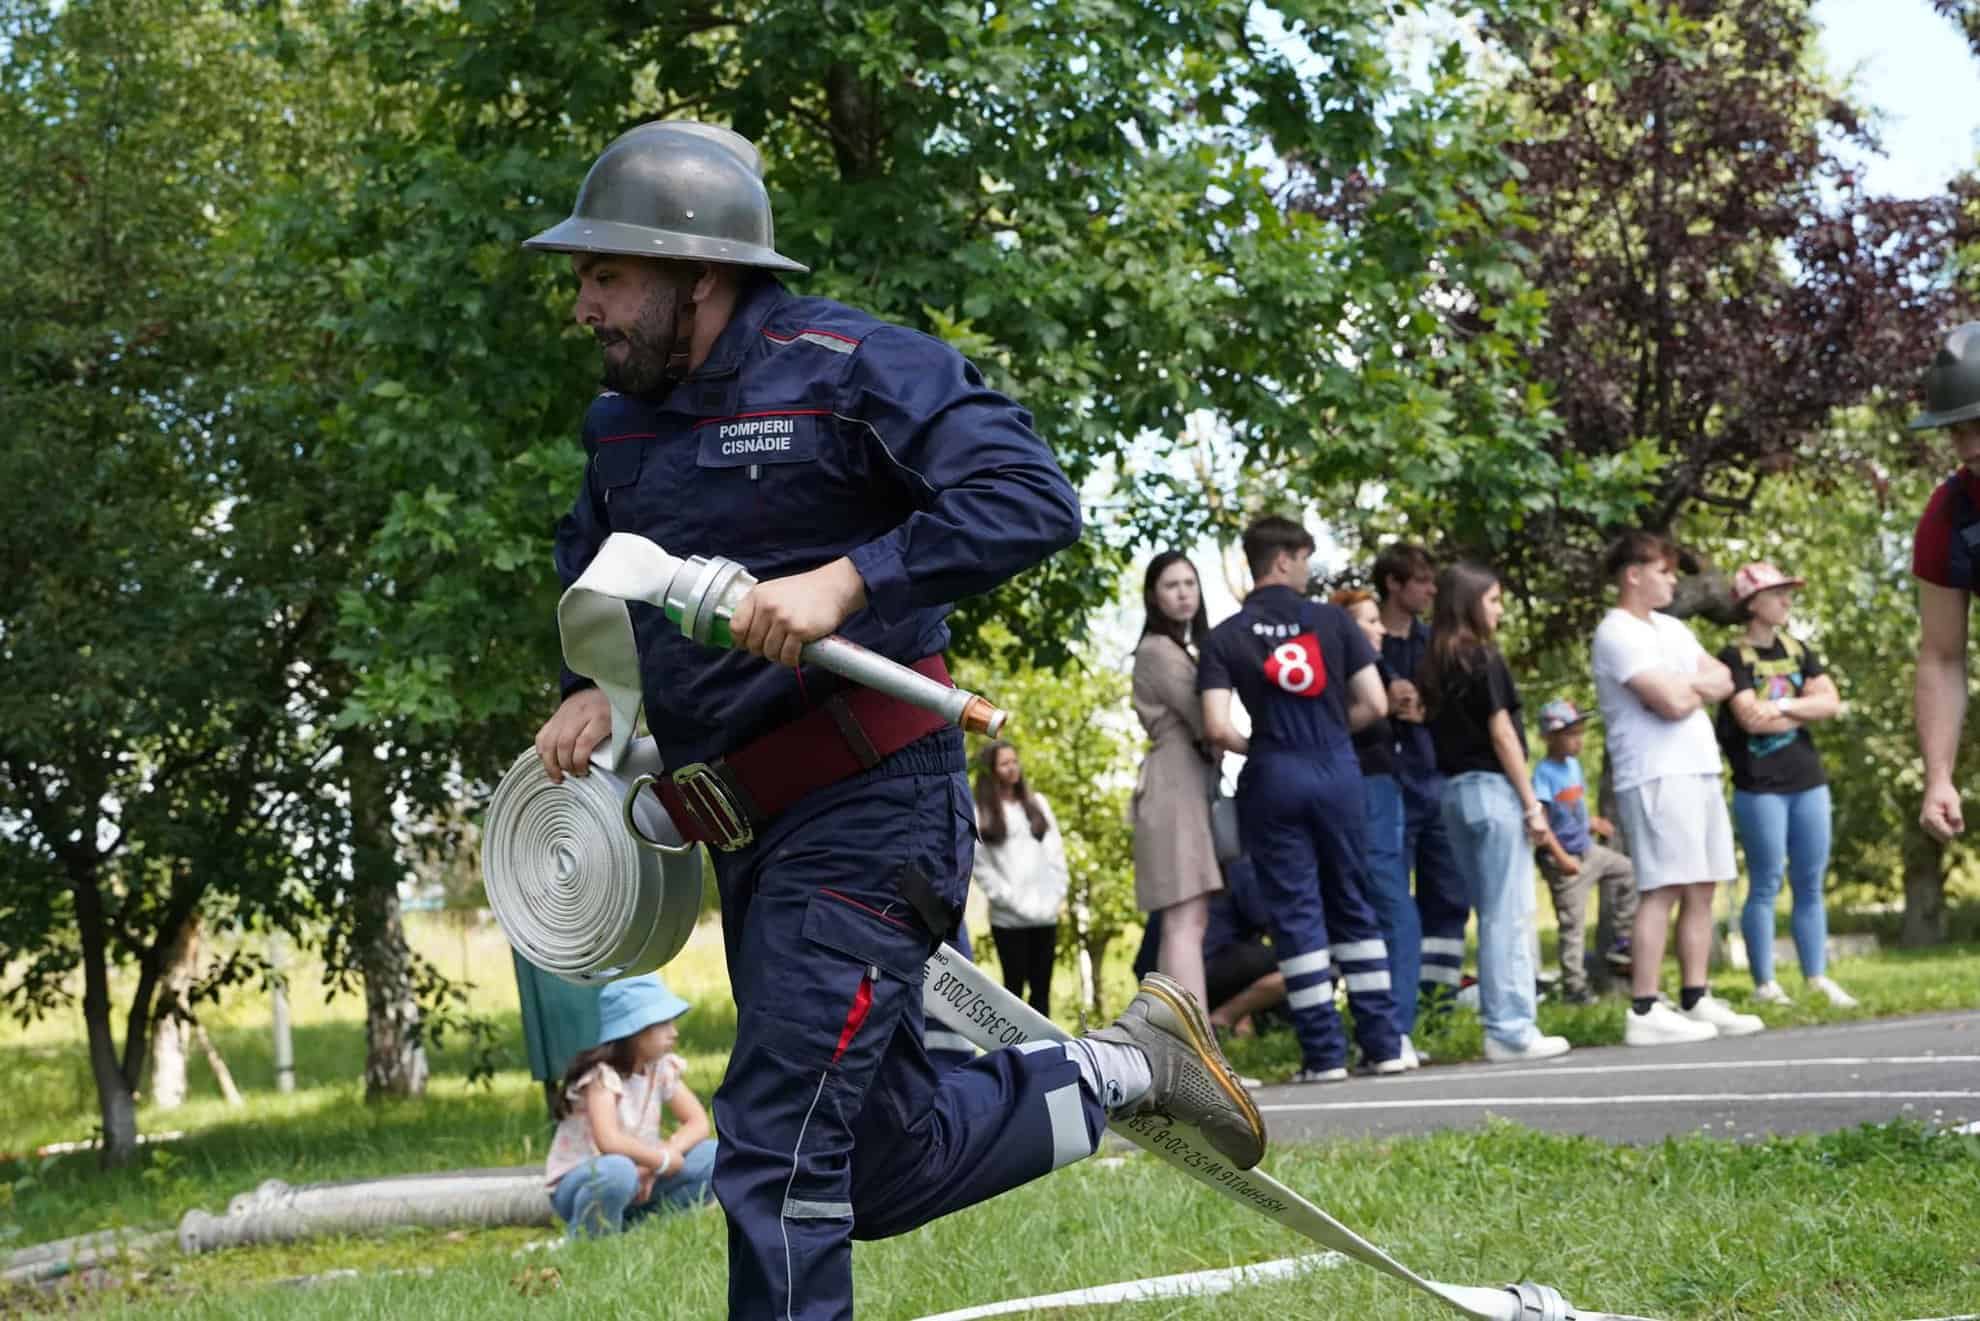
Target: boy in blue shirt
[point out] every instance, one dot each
(1573, 862)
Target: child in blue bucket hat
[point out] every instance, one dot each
(608, 1165)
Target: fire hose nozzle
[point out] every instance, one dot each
(980, 717)
(705, 593)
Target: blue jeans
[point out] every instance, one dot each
(1788, 831)
(1388, 893)
(1483, 821)
(596, 1198)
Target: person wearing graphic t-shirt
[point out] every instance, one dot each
(1653, 682)
(1780, 791)
(1307, 678)
(1944, 553)
(1490, 812)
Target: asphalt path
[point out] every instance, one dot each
(1797, 1080)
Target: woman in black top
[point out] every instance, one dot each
(1490, 812)
(1780, 791)
(1388, 871)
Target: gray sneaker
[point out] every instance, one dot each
(1192, 1082)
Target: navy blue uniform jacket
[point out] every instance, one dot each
(813, 431)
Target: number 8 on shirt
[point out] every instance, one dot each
(1296, 666)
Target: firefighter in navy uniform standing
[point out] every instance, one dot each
(867, 477)
(1307, 676)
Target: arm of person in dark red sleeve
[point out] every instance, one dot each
(992, 500)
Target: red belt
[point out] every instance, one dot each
(724, 801)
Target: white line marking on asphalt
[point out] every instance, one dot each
(1653, 1098)
(1196, 1284)
(1676, 1064)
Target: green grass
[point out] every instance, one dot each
(1869, 1224)
(1874, 1223)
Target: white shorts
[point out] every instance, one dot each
(1678, 831)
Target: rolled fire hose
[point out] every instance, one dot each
(574, 888)
(588, 877)
(957, 992)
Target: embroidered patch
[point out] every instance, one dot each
(769, 436)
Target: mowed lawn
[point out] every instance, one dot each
(1873, 1223)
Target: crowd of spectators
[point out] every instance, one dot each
(1387, 799)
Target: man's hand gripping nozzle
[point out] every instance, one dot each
(702, 595)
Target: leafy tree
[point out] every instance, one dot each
(1718, 280)
(149, 769)
(1108, 247)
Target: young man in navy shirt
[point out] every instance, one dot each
(1406, 582)
(1307, 678)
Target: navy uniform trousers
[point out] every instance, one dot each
(1305, 823)
(1440, 896)
(834, 1123)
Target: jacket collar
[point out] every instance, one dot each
(755, 301)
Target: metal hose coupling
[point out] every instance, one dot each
(1537, 1302)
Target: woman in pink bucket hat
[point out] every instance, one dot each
(1780, 789)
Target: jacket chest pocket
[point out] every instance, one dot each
(778, 475)
(616, 468)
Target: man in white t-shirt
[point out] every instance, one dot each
(1654, 682)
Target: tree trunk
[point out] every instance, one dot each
(394, 1060)
(1924, 890)
(170, 1030)
(221, 1073)
(115, 1099)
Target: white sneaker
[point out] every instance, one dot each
(1409, 1057)
(1664, 1026)
(1318, 1075)
(1770, 993)
(1838, 997)
(1730, 1022)
(1537, 1047)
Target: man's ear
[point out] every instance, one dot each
(706, 281)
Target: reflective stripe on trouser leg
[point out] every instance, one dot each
(1361, 955)
(1274, 813)
(834, 1122)
(1440, 901)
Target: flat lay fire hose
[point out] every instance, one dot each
(963, 997)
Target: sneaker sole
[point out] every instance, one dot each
(1204, 1042)
(1672, 1041)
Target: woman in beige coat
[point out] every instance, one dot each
(1175, 859)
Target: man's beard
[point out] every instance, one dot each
(649, 341)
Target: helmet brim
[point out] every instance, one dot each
(616, 238)
(1951, 417)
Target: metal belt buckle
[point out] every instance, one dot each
(718, 809)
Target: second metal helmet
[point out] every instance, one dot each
(1952, 382)
(673, 189)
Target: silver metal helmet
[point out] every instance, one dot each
(674, 189)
